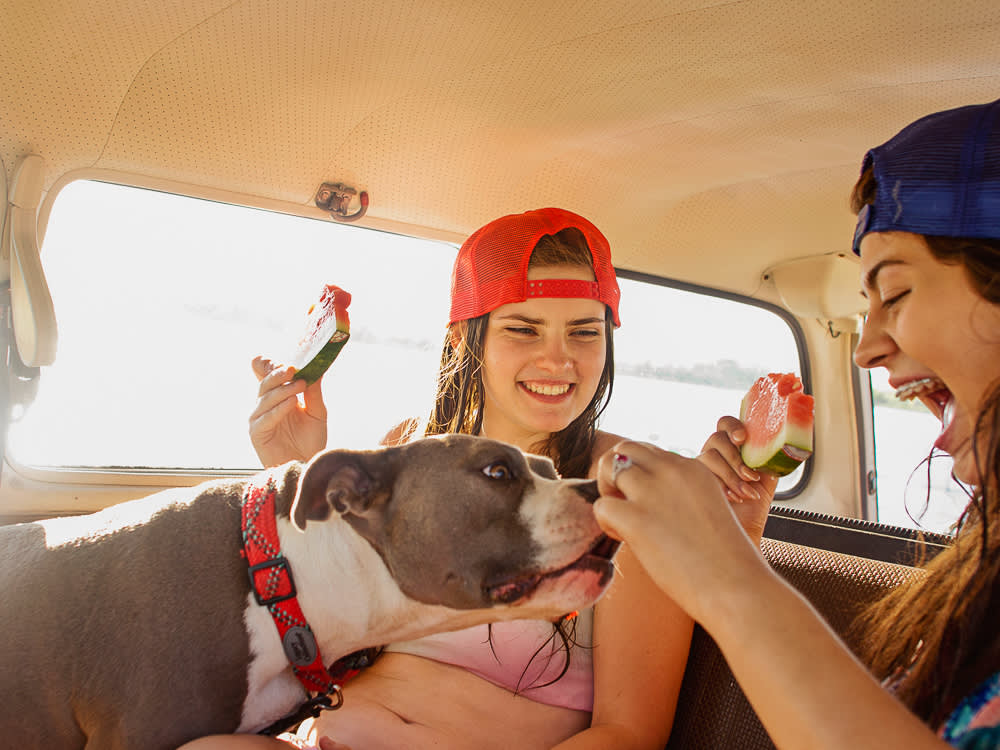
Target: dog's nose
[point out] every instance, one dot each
(588, 490)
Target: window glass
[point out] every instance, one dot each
(680, 364)
(162, 302)
(153, 366)
(911, 492)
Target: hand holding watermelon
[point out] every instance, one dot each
(750, 492)
(283, 428)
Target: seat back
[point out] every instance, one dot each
(855, 563)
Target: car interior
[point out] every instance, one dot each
(178, 180)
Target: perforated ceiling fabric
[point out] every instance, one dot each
(680, 128)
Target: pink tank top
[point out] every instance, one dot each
(511, 662)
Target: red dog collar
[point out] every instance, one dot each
(273, 587)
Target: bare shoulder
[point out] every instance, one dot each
(401, 433)
(605, 441)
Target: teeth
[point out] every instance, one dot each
(916, 388)
(948, 414)
(547, 390)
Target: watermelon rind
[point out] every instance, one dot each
(327, 330)
(779, 458)
(789, 447)
(322, 360)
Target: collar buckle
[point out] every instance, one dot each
(279, 580)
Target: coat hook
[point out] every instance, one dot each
(336, 197)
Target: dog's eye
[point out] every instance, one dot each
(498, 470)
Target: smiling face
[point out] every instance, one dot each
(936, 336)
(543, 360)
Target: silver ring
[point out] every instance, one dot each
(619, 462)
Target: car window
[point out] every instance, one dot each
(681, 363)
(911, 490)
(153, 367)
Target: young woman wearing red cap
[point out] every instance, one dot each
(528, 359)
(928, 234)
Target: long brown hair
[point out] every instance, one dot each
(458, 405)
(936, 638)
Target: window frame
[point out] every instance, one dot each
(71, 477)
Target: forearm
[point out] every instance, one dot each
(603, 737)
(807, 687)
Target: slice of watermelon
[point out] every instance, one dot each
(779, 420)
(327, 330)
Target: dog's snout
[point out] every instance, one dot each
(588, 490)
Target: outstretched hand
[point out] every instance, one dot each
(281, 427)
(674, 515)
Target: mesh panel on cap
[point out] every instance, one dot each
(939, 176)
(492, 265)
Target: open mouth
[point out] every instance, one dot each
(597, 559)
(548, 391)
(932, 390)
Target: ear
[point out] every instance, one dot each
(341, 481)
(456, 334)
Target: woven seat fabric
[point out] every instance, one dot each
(712, 710)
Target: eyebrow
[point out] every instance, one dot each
(539, 321)
(871, 276)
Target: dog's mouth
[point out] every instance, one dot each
(598, 559)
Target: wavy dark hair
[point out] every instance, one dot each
(936, 638)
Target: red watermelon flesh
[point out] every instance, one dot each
(779, 421)
(327, 330)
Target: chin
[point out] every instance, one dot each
(964, 468)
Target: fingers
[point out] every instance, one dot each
(616, 517)
(627, 467)
(720, 460)
(632, 464)
(721, 454)
(312, 399)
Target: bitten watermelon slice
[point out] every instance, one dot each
(327, 330)
(779, 420)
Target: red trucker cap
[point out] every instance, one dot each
(492, 265)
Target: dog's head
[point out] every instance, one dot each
(467, 522)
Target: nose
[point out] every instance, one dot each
(588, 489)
(875, 345)
(555, 355)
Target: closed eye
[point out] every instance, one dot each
(893, 300)
(498, 470)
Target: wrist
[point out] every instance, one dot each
(737, 600)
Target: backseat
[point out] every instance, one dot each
(839, 565)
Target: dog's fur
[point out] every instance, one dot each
(135, 627)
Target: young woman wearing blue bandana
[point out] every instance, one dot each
(929, 240)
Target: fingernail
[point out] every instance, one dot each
(750, 491)
(749, 474)
(733, 497)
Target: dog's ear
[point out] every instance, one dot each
(342, 481)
